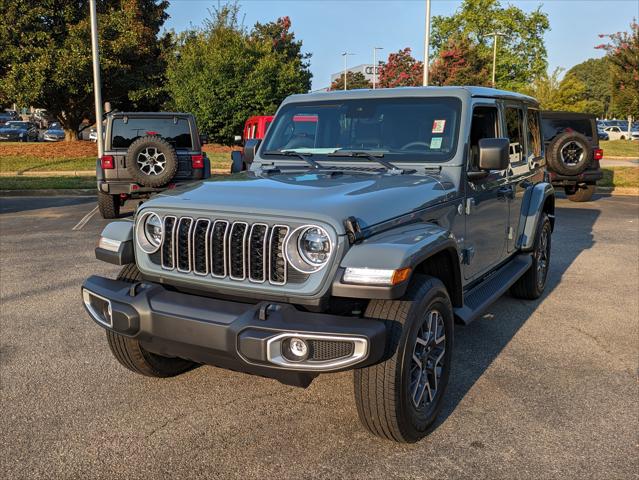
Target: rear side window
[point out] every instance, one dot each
(551, 127)
(515, 131)
(533, 146)
(177, 133)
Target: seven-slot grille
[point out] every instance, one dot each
(222, 249)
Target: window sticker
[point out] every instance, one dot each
(436, 143)
(439, 126)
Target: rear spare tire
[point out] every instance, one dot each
(151, 161)
(569, 153)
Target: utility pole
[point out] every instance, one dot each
(427, 43)
(345, 55)
(375, 65)
(495, 35)
(97, 83)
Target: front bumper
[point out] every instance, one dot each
(238, 336)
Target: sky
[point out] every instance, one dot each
(330, 27)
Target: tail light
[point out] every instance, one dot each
(598, 154)
(197, 161)
(107, 162)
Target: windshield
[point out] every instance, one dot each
(402, 129)
(17, 125)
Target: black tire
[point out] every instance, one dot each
(531, 284)
(109, 205)
(581, 194)
(385, 402)
(569, 153)
(151, 161)
(133, 356)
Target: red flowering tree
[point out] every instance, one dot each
(622, 51)
(459, 63)
(401, 70)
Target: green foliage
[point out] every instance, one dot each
(401, 70)
(354, 80)
(459, 63)
(622, 51)
(46, 56)
(521, 54)
(224, 73)
(567, 95)
(595, 74)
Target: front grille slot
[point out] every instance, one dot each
(200, 247)
(183, 244)
(166, 252)
(235, 250)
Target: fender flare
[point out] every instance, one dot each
(533, 205)
(405, 247)
(121, 232)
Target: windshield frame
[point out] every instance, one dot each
(331, 154)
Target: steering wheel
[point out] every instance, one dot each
(410, 145)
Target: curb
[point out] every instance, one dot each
(620, 158)
(50, 192)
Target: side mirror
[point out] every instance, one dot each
(237, 139)
(494, 153)
(237, 161)
(204, 139)
(250, 148)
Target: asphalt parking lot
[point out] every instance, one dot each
(544, 389)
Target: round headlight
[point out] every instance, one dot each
(149, 232)
(309, 248)
(314, 246)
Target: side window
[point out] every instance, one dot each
(514, 130)
(533, 146)
(484, 125)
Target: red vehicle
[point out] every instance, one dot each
(255, 129)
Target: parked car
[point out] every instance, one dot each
(41, 118)
(54, 133)
(19, 131)
(256, 127)
(572, 153)
(13, 114)
(356, 247)
(145, 153)
(93, 135)
(618, 133)
(602, 135)
(4, 118)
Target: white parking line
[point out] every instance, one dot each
(85, 219)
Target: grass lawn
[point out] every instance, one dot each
(620, 148)
(620, 177)
(36, 183)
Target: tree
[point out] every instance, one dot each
(521, 55)
(459, 64)
(595, 74)
(622, 51)
(224, 73)
(401, 70)
(46, 56)
(354, 80)
(567, 94)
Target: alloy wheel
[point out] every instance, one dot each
(427, 362)
(151, 161)
(572, 153)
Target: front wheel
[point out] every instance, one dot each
(400, 398)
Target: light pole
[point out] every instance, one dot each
(495, 35)
(375, 65)
(97, 83)
(345, 55)
(427, 43)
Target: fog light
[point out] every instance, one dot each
(295, 349)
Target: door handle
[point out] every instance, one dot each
(506, 192)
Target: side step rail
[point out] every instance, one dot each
(477, 300)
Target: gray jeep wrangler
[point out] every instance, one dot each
(356, 245)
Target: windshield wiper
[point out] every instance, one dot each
(392, 169)
(290, 153)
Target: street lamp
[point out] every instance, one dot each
(427, 43)
(495, 35)
(345, 55)
(375, 65)
(97, 83)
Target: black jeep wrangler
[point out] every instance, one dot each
(146, 153)
(572, 152)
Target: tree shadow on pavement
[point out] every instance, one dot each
(23, 204)
(478, 344)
